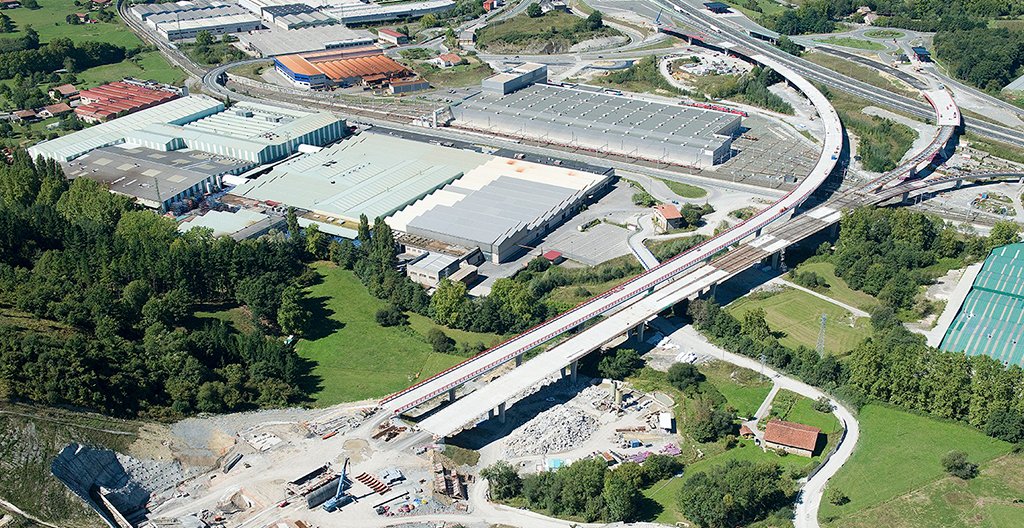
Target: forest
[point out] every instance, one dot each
(97, 300)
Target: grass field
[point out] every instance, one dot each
(535, 34)
(49, 22)
(849, 42)
(461, 75)
(861, 73)
(743, 389)
(793, 407)
(797, 314)
(354, 357)
(685, 189)
(898, 453)
(996, 148)
(837, 288)
(768, 8)
(991, 500)
(150, 65)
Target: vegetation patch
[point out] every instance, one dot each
(553, 32)
(469, 73)
(744, 390)
(834, 286)
(685, 190)
(849, 42)
(884, 34)
(643, 76)
(996, 148)
(750, 88)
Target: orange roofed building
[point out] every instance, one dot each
(794, 438)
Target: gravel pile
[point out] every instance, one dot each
(559, 429)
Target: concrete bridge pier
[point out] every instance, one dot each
(573, 370)
(776, 260)
(519, 360)
(960, 183)
(905, 198)
(501, 412)
(451, 394)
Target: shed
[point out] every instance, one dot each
(552, 256)
(665, 421)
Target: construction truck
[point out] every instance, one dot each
(340, 498)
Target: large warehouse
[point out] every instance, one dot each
(276, 41)
(503, 206)
(361, 175)
(602, 122)
(991, 320)
(248, 131)
(345, 67)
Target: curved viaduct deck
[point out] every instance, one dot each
(672, 274)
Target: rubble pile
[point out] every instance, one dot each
(559, 429)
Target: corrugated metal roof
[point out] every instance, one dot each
(991, 320)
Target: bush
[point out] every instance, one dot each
(823, 405)
(503, 480)
(643, 199)
(440, 341)
(683, 376)
(391, 316)
(619, 363)
(837, 497)
(955, 463)
(660, 467)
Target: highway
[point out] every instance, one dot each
(660, 276)
(720, 31)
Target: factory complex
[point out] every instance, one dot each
(364, 65)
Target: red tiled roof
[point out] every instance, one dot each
(66, 89)
(668, 211)
(391, 32)
(552, 255)
(744, 430)
(450, 57)
(792, 434)
(120, 97)
(59, 108)
(24, 114)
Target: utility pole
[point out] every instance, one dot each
(821, 336)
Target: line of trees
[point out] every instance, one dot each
(586, 489)
(99, 298)
(26, 56)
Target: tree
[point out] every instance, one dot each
(660, 467)
(262, 295)
(502, 480)
(6, 25)
(1006, 425)
(292, 221)
(428, 20)
(621, 498)
(204, 39)
(449, 305)
(1003, 232)
(595, 20)
(708, 423)
(440, 341)
(755, 325)
(292, 316)
(786, 44)
(737, 493)
(837, 497)
(534, 11)
(956, 463)
(683, 376)
(619, 363)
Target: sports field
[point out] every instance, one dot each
(797, 315)
(355, 358)
(899, 454)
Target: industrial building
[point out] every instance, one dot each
(358, 12)
(113, 132)
(217, 25)
(239, 225)
(515, 79)
(341, 67)
(116, 99)
(154, 20)
(991, 319)
(601, 122)
(294, 16)
(503, 206)
(144, 11)
(275, 41)
(362, 175)
(252, 132)
(158, 180)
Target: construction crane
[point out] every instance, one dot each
(340, 498)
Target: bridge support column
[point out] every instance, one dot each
(490, 413)
(712, 291)
(906, 197)
(640, 331)
(776, 260)
(451, 394)
(573, 369)
(757, 233)
(501, 412)
(959, 184)
(833, 230)
(519, 360)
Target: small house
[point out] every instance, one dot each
(791, 437)
(667, 216)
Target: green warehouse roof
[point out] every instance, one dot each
(991, 320)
